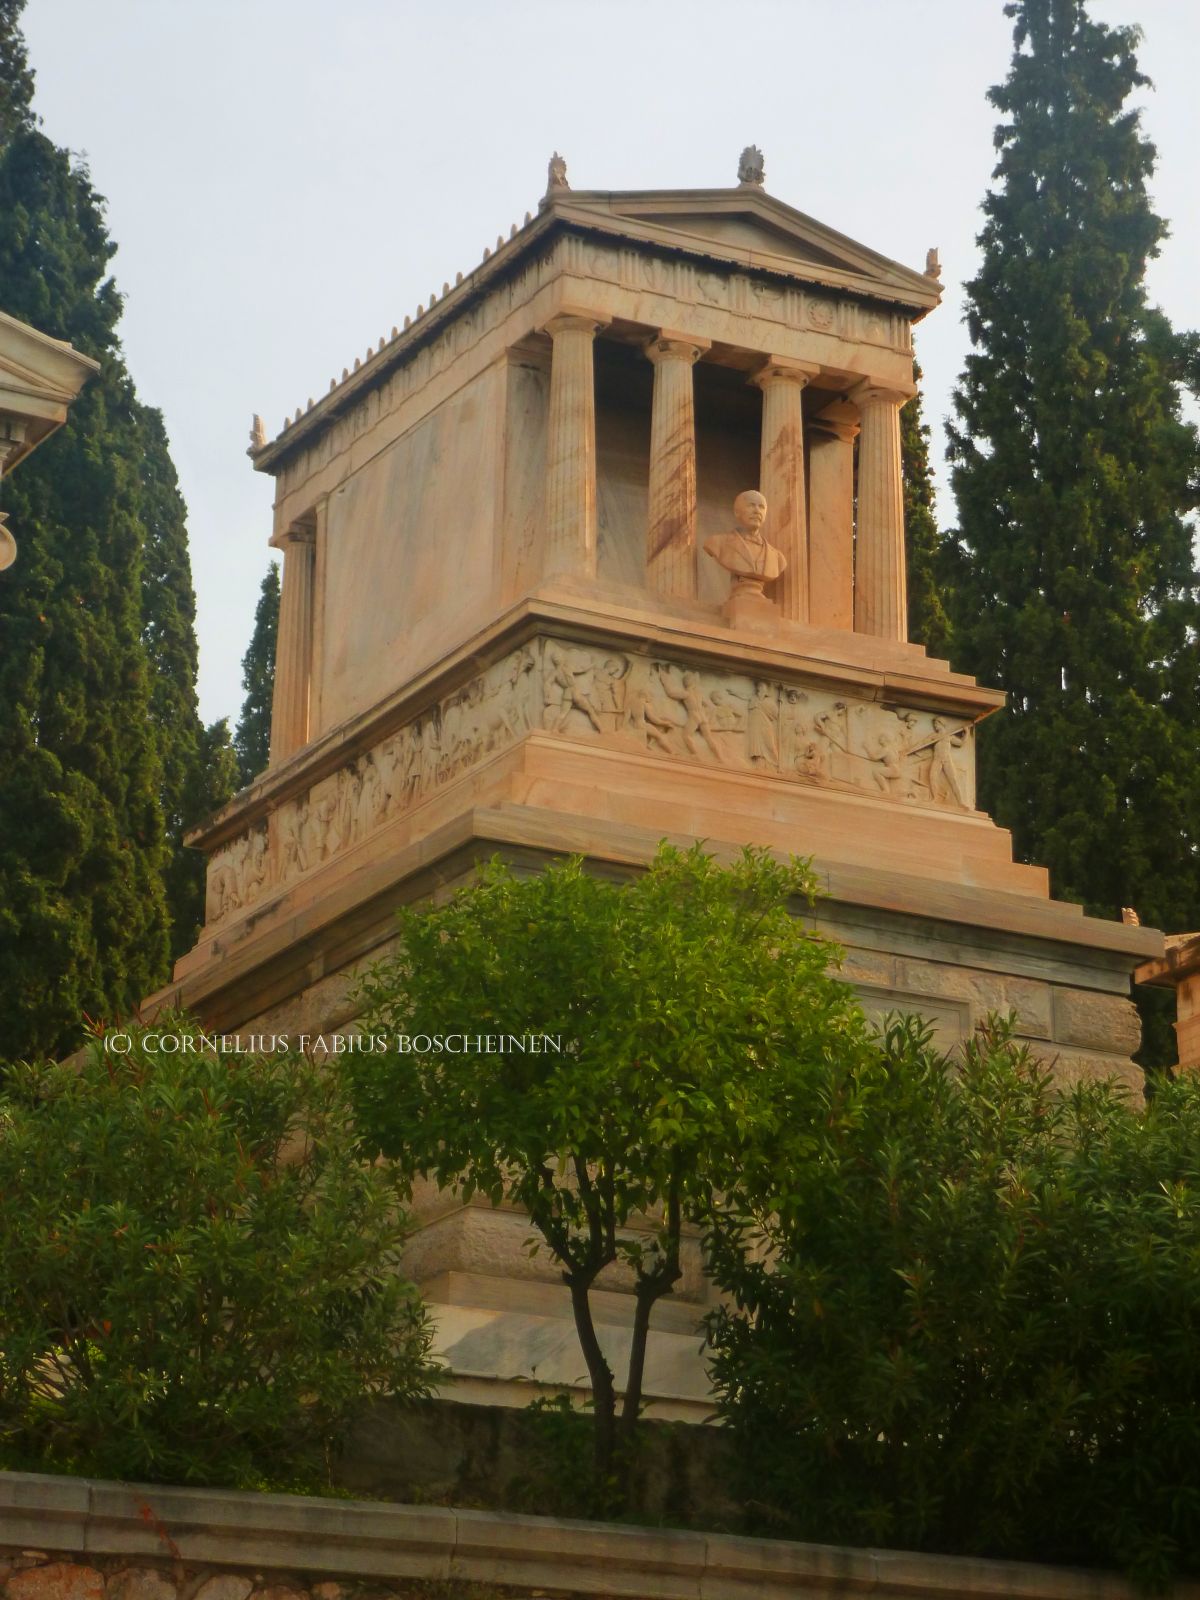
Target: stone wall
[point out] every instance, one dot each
(78, 1539)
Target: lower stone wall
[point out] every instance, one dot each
(80, 1539)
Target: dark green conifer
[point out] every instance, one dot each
(252, 741)
(100, 745)
(928, 623)
(1074, 473)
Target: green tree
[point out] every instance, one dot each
(103, 760)
(928, 623)
(199, 1278)
(253, 738)
(961, 1311)
(199, 768)
(691, 1004)
(1074, 470)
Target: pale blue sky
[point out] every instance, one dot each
(288, 178)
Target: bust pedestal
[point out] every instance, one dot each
(748, 607)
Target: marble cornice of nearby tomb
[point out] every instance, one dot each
(689, 641)
(730, 291)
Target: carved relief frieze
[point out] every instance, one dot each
(714, 717)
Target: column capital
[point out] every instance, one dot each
(669, 346)
(568, 319)
(867, 392)
(783, 369)
(298, 533)
(836, 421)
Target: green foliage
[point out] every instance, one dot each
(692, 1003)
(928, 623)
(16, 80)
(103, 760)
(199, 1272)
(199, 770)
(1075, 472)
(964, 1314)
(252, 740)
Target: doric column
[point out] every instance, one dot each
(571, 446)
(671, 530)
(781, 478)
(831, 437)
(293, 647)
(880, 594)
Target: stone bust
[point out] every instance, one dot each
(744, 553)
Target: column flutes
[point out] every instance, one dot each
(880, 592)
(781, 478)
(571, 446)
(831, 437)
(671, 529)
(293, 652)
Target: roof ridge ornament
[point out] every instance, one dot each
(751, 172)
(556, 177)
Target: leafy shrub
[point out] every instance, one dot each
(692, 1004)
(198, 1275)
(966, 1312)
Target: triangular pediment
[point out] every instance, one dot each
(751, 228)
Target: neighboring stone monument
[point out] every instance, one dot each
(40, 377)
(505, 628)
(1178, 968)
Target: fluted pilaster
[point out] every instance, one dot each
(671, 530)
(781, 478)
(880, 593)
(293, 648)
(571, 447)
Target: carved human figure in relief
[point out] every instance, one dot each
(293, 843)
(762, 723)
(943, 776)
(744, 553)
(691, 698)
(643, 716)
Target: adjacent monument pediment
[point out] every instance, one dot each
(748, 227)
(39, 378)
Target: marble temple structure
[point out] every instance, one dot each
(519, 616)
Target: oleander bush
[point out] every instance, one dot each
(198, 1275)
(965, 1313)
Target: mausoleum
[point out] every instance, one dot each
(520, 614)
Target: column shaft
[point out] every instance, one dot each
(571, 448)
(671, 530)
(293, 650)
(781, 479)
(831, 522)
(880, 595)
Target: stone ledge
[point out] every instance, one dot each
(218, 1529)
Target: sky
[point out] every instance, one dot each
(287, 179)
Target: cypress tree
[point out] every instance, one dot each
(99, 740)
(1074, 472)
(199, 770)
(253, 738)
(928, 623)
